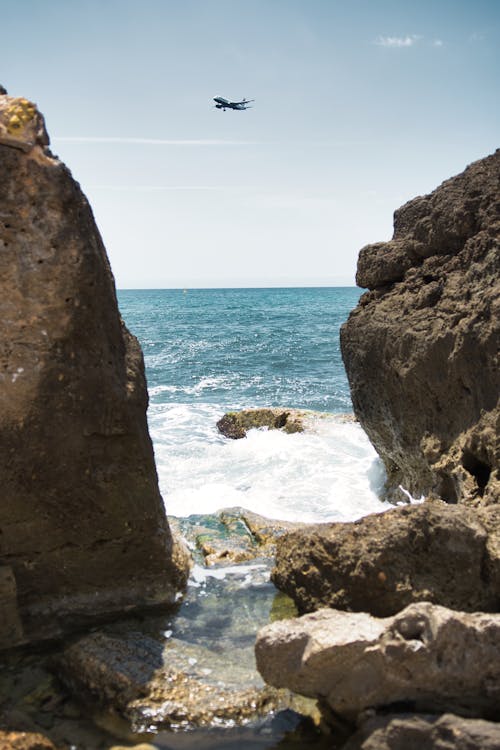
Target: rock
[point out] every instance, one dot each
(21, 125)
(421, 348)
(425, 732)
(427, 657)
(385, 561)
(235, 424)
(174, 684)
(84, 527)
(24, 741)
(232, 535)
(11, 630)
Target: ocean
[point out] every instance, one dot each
(208, 351)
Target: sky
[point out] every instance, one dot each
(359, 107)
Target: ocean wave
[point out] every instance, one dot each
(330, 474)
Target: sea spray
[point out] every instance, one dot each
(329, 474)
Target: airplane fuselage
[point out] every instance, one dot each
(221, 103)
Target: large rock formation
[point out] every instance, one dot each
(427, 657)
(83, 528)
(421, 348)
(449, 555)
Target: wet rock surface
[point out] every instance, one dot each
(235, 424)
(426, 732)
(179, 680)
(421, 348)
(156, 685)
(84, 531)
(190, 670)
(426, 657)
(384, 562)
(231, 535)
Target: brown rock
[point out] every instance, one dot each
(11, 630)
(83, 524)
(172, 684)
(431, 658)
(384, 562)
(232, 535)
(24, 741)
(235, 424)
(425, 732)
(421, 349)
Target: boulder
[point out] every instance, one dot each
(428, 658)
(235, 424)
(446, 554)
(84, 531)
(421, 348)
(425, 732)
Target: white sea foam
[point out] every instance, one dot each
(326, 475)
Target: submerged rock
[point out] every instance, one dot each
(449, 555)
(155, 685)
(427, 657)
(421, 348)
(232, 535)
(425, 732)
(84, 532)
(235, 424)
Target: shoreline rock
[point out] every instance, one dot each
(421, 347)
(173, 685)
(235, 424)
(85, 535)
(384, 562)
(232, 535)
(427, 657)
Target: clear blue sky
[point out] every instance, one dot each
(360, 106)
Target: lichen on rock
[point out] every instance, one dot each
(22, 126)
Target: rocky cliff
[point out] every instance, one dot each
(421, 353)
(83, 527)
(421, 348)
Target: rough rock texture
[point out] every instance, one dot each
(84, 532)
(421, 348)
(24, 741)
(446, 554)
(235, 424)
(172, 684)
(428, 657)
(425, 732)
(231, 535)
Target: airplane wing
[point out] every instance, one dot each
(245, 101)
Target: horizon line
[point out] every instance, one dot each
(153, 141)
(213, 288)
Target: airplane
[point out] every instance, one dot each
(224, 104)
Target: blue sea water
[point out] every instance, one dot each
(208, 351)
